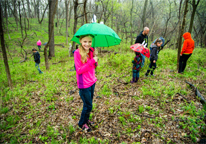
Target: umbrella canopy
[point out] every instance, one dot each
(38, 43)
(104, 36)
(141, 49)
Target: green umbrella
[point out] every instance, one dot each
(104, 36)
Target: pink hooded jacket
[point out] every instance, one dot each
(85, 73)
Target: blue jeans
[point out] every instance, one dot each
(39, 48)
(87, 98)
(135, 73)
(143, 60)
(38, 68)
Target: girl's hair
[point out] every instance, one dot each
(34, 49)
(82, 51)
(158, 41)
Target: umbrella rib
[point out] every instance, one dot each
(107, 41)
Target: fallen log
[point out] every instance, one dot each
(197, 93)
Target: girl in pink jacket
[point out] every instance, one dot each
(85, 64)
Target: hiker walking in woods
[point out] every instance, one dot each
(137, 62)
(39, 45)
(85, 64)
(36, 59)
(187, 49)
(154, 56)
(141, 38)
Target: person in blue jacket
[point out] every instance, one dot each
(37, 59)
(142, 37)
(160, 48)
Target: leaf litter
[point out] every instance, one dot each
(124, 113)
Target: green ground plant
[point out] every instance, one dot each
(35, 100)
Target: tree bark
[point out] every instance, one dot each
(194, 6)
(181, 33)
(20, 22)
(144, 13)
(167, 20)
(28, 7)
(51, 21)
(67, 8)
(15, 12)
(75, 23)
(70, 13)
(113, 13)
(50, 35)
(152, 8)
(35, 9)
(40, 21)
(85, 14)
(131, 23)
(4, 50)
(25, 14)
(23, 36)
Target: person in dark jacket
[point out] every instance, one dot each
(154, 56)
(142, 37)
(161, 47)
(36, 59)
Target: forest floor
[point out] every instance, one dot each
(45, 108)
(161, 109)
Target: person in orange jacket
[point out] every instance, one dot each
(187, 49)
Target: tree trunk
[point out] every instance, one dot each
(113, 14)
(40, 21)
(6, 15)
(75, 24)
(131, 23)
(25, 14)
(144, 13)
(164, 35)
(194, 6)
(152, 8)
(181, 33)
(24, 36)
(85, 13)
(15, 12)
(51, 21)
(67, 8)
(179, 23)
(28, 8)
(51, 33)
(70, 13)
(4, 50)
(20, 21)
(35, 12)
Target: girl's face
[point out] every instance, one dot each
(159, 44)
(86, 42)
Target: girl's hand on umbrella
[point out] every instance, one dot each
(180, 54)
(154, 61)
(95, 58)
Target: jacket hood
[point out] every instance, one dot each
(187, 35)
(153, 45)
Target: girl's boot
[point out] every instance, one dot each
(136, 80)
(133, 80)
